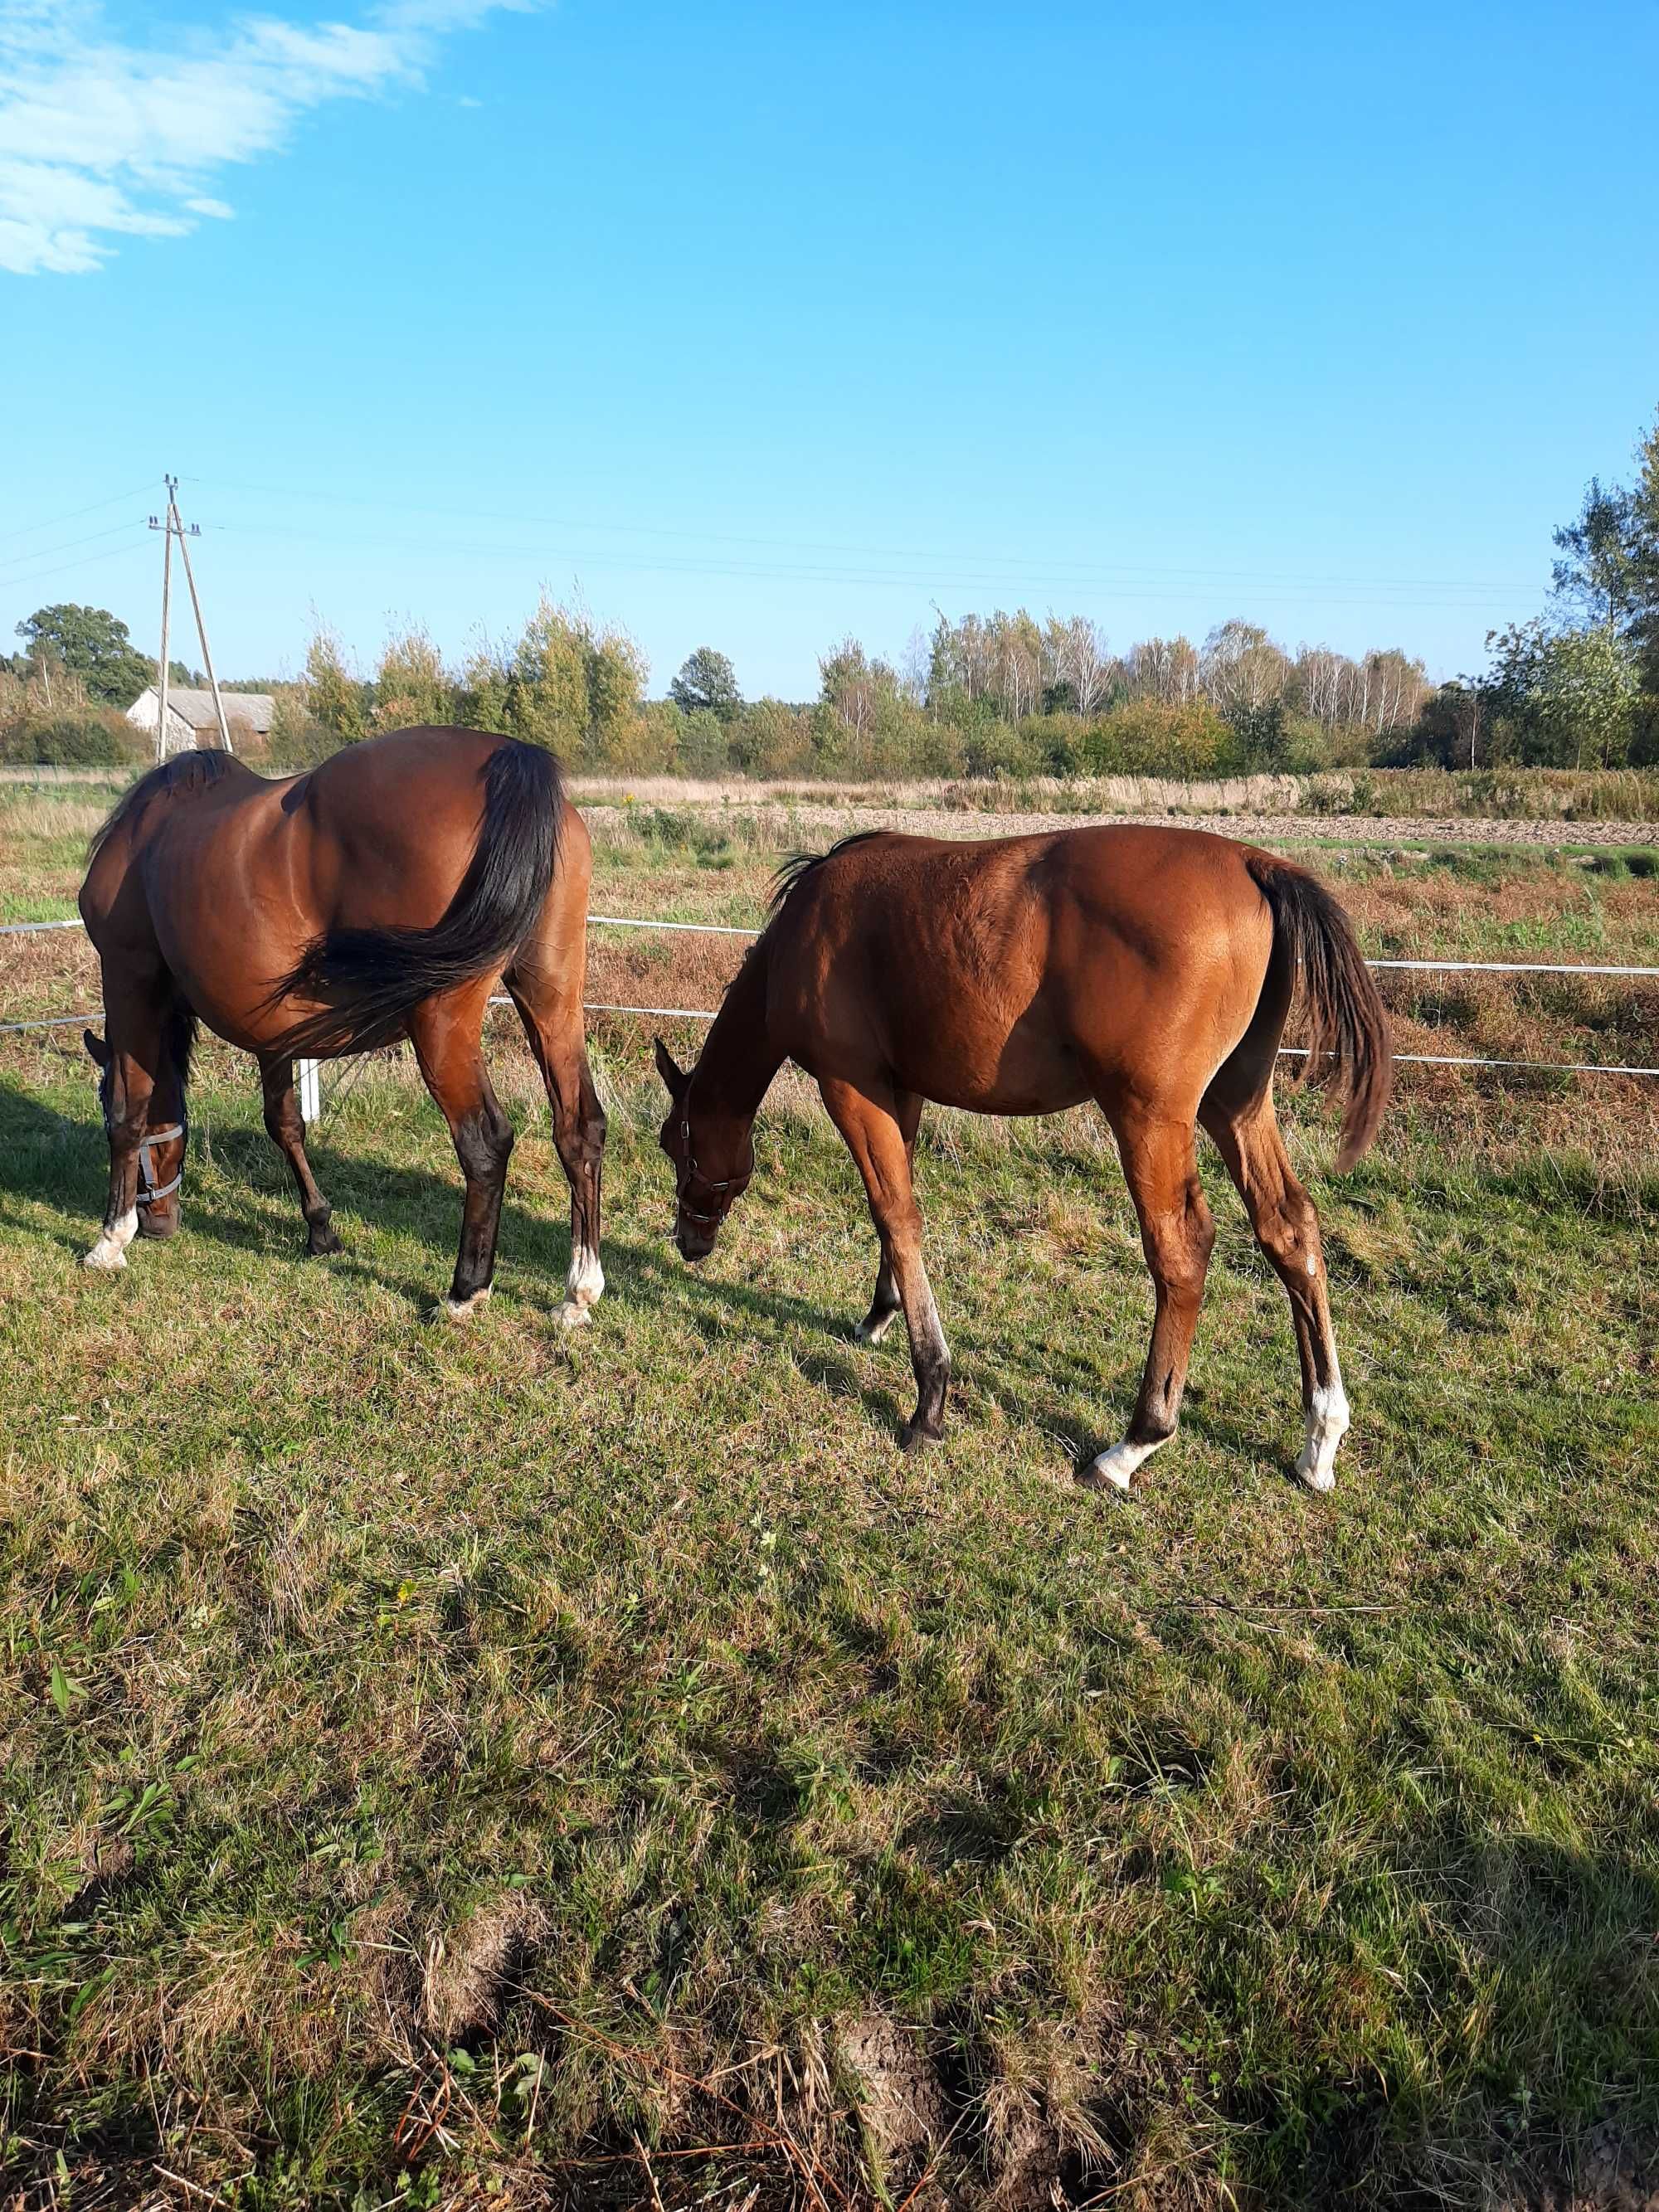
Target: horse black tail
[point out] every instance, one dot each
(1348, 1023)
(372, 980)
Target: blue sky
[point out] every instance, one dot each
(757, 326)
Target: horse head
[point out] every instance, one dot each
(713, 1158)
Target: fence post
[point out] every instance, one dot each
(311, 1094)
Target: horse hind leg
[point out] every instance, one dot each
(886, 1305)
(285, 1126)
(1176, 1235)
(447, 1034)
(549, 1007)
(1287, 1228)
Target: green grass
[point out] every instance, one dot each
(427, 1751)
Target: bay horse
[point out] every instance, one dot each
(1150, 970)
(383, 895)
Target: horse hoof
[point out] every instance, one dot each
(573, 1315)
(914, 1437)
(323, 1247)
(872, 1328)
(104, 1260)
(1320, 1479)
(459, 1309)
(1110, 1470)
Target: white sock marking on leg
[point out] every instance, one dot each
(1328, 1423)
(584, 1286)
(1116, 1466)
(111, 1249)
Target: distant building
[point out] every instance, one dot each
(192, 720)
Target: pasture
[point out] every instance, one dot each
(504, 1766)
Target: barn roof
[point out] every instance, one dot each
(254, 709)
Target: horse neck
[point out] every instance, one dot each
(738, 1059)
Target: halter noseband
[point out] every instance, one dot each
(736, 1184)
(149, 1189)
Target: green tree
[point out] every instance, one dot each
(547, 700)
(1598, 576)
(94, 643)
(706, 680)
(576, 688)
(1644, 582)
(412, 688)
(336, 700)
(1570, 695)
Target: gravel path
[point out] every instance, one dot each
(784, 824)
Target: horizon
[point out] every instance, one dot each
(789, 331)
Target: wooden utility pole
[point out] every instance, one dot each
(167, 594)
(171, 526)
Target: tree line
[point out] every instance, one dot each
(1577, 685)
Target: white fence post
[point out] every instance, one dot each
(311, 1091)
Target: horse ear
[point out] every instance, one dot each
(97, 1047)
(669, 1070)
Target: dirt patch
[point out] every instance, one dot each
(894, 2087)
(1615, 2171)
(467, 1967)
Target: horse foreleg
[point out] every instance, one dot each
(446, 1033)
(884, 1305)
(876, 1139)
(1287, 1229)
(553, 1023)
(286, 1128)
(133, 1031)
(1176, 1234)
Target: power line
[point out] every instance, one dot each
(935, 580)
(1013, 565)
(40, 575)
(74, 514)
(44, 552)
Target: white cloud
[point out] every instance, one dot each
(101, 138)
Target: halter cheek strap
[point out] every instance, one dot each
(736, 1184)
(149, 1189)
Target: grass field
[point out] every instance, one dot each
(483, 1767)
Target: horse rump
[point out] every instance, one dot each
(1347, 1029)
(371, 980)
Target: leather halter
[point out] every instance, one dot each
(735, 1184)
(149, 1189)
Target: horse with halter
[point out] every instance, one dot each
(381, 896)
(1150, 970)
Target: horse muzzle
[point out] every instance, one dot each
(693, 1245)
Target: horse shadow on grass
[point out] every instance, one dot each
(50, 1158)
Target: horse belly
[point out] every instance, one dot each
(973, 1057)
(225, 935)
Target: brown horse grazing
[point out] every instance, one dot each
(1149, 969)
(381, 895)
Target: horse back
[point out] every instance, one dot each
(1008, 974)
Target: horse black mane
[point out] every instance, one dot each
(185, 772)
(796, 869)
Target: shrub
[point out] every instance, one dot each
(1146, 737)
(89, 738)
(992, 749)
(771, 738)
(1055, 740)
